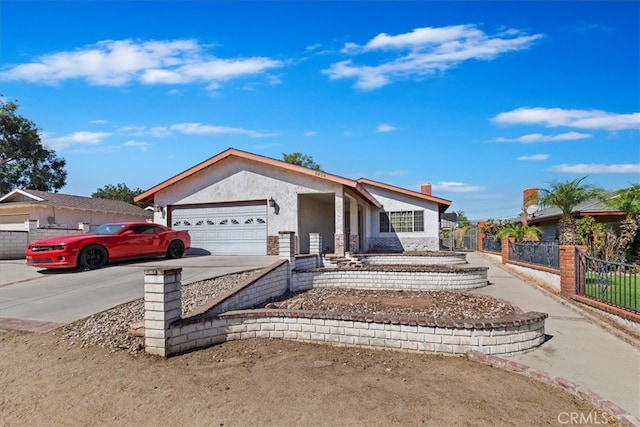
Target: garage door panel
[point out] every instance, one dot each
(230, 229)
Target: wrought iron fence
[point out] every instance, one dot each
(492, 244)
(546, 254)
(612, 283)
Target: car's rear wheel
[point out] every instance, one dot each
(92, 257)
(175, 250)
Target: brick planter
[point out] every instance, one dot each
(509, 335)
(394, 277)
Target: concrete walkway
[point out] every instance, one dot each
(579, 349)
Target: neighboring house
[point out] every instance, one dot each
(237, 203)
(55, 210)
(547, 218)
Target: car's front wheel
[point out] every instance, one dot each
(92, 257)
(175, 250)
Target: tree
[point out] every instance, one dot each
(118, 192)
(24, 161)
(520, 232)
(297, 158)
(626, 200)
(566, 196)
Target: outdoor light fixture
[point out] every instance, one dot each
(158, 208)
(272, 203)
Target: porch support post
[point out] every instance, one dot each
(354, 240)
(339, 239)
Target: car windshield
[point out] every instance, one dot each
(107, 229)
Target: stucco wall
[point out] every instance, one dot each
(235, 180)
(315, 217)
(427, 240)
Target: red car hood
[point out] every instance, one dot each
(58, 240)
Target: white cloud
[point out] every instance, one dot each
(98, 122)
(76, 138)
(397, 172)
(123, 62)
(538, 137)
(385, 128)
(202, 129)
(310, 133)
(534, 157)
(313, 47)
(143, 146)
(424, 52)
(456, 187)
(557, 117)
(175, 92)
(156, 131)
(595, 168)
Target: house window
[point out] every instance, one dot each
(401, 221)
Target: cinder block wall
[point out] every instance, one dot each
(13, 244)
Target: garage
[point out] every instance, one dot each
(224, 229)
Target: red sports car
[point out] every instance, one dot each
(108, 242)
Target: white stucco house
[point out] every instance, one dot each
(237, 203)
(63, 211)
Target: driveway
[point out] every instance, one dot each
(41, 300)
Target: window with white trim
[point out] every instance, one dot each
(401, 221)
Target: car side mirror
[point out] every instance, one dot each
(128, 233)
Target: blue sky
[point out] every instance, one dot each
(480, 99)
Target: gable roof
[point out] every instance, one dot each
(443, 204)
(355, 186)
(57, 200)
(590, 207)
(148, 195)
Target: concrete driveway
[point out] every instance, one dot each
(40, 300)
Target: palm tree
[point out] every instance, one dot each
(520, 232)
(566, 196)
(626, 200)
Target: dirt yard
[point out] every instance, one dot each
(46, 381)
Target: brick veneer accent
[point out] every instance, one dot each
(162, 307)
(338, 248)
(273, 244)
(354, 243)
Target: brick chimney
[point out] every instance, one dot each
(426, 189)
(529, 198)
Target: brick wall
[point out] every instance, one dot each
(13, 244)
(358, 278)
(498, 336)
(418, 259)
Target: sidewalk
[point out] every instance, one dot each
(578, 349)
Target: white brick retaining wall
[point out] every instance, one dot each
(222, 319)
(358, 278)
(414, 259)
(496, 336)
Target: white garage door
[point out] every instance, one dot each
(238, 229)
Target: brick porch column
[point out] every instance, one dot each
(287, 250)
(162, 307)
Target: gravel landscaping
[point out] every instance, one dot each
(111, 328)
